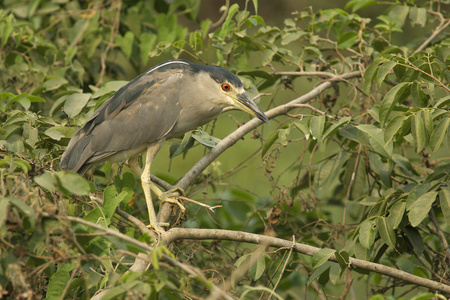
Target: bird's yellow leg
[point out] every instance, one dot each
(146, 186)
(168, 196)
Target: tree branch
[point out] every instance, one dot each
(175, 234)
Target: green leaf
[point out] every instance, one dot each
(146, 45)
(57, 283)
(204, 138)
(354, 133)
(418, 16)
(394, 126)
(77, 31)
(59, 132)
(47, 180)
(374, 112)
(397, 15)
(267, 55)
(179, 147)
(317, 126)
(228, 24)
(444, 200)
(396, 213)
(323, 270)
(279, 135)
(7, 29)
(258, 267)
(418, 132)
(415, 239)
(439, 133)
(347, 39)
(321, 257)
(111, 86)
(121, 290)
(255, 5)
(336, 126)
(405, 164)
(74, 183)
(420, 208)
(387, 234)
(96, 216)
(369, 75)
(22, 164)
(425, 296)
(428, 122)
(157, 254)
(419, 97)
(343, 259)
(367, 233)
(55, 83)
(24, 208)
(126, 44)
(376, 140)
(30, 134)
(385, 68)
(292, 36)
(358, 4)
(75, 103)
(111, 200)
(335, 272)
(4, 203)
(390, 100)
(444, 102)
(303, 128)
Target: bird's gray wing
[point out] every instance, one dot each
(141, 112)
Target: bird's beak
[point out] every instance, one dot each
(245, 103)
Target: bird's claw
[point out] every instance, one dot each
(171, 196)
(158, 227)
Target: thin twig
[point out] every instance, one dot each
(426, 74)
(211, 208)
(225, 9)
(440, 234)
(110, 232)
(284, 267)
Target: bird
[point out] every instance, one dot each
(165, 102)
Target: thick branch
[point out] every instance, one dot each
(216, 234)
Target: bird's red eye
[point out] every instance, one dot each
(226, 87)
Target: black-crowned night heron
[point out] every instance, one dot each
(164, 102)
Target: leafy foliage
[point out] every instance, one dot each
(363, 168)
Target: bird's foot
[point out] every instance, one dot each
(171, 196)
(157, 227)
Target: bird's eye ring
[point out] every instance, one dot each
(226, 87)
